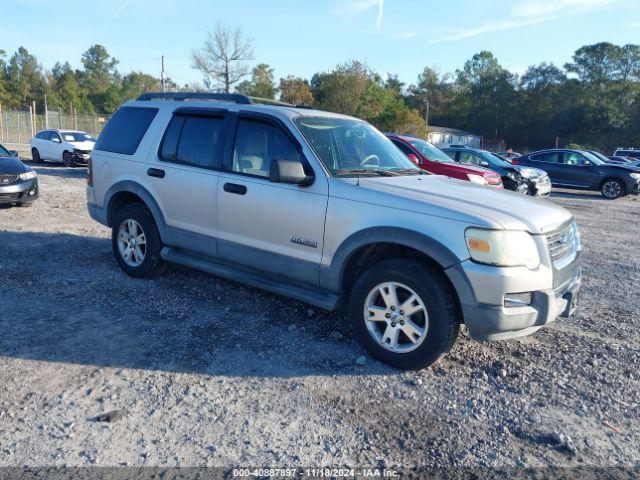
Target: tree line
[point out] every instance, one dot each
(592, 101)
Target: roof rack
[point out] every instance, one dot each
(223, 97)
(182, 96)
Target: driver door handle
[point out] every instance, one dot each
(235, 188)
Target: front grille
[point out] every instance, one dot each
(8, 179)
(562, 243)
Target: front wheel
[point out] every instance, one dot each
(136, 242)
(66, 159)
(35, 155)
(612, 189)
(404, 313)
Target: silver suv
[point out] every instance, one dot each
(323, 208)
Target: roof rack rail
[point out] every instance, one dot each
(182, 96)
(223, 97)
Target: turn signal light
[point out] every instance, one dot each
(479, 245)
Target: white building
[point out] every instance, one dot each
(445, 137)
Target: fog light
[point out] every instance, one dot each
(517, 299)
(32, 193)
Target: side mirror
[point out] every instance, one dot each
(288, 171)
(56, 140)
(13, 153)
(587, 163)
(414, 158)
(484, 163)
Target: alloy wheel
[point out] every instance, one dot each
(132, 243)
(396, 317)
(612, 189)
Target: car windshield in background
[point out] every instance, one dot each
(494, 159)
(349, 147)
(77, 137)
(593, 159)
(432, 153)
(4, 152)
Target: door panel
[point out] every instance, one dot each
(181, 178)
(573, 171)
(273, 227)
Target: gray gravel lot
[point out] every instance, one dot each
(209, 372)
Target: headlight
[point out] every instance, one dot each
(529, 173)
(635, 176)
(28, 175)
(504, 248)
(477, 179)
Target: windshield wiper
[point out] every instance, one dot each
(372, 171)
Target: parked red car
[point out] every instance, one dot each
(435, 161)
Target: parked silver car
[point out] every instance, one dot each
(323, 208)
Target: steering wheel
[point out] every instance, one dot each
(371, 161)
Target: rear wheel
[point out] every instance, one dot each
(136, 242)
(612, 189)
(35, 155)
(404, 313)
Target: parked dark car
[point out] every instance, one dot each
(434, 160)
(18, 183)
(582, 170)
(512, 179)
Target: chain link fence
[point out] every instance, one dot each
(19, 127)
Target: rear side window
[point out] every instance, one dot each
(551, 157)
(125, 130)
(194, 140)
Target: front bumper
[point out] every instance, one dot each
(636, 188)
(21, 192)
(539, 188)
(80, 158)
(485, 315)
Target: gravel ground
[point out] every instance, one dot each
(207, 372)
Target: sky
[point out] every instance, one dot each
(307, 36)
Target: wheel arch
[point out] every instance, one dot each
(128, 192)
(372, 245)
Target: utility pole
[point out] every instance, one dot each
(162, 75)
(46, 112)
(426, 113)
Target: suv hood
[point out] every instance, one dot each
(631, 167)
(86, 145)
(458, 200)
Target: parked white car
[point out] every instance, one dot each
(69, 147)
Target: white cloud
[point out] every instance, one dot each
(635, 25)
(404, 35)
(124, 5)
(529, 13)
(353, 8)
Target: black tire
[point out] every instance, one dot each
(35, 155)
(612, 188)
(441, 305)
(153, 264)
(66, 159)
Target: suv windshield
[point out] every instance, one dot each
(432, 153)
(77, 137)
(349, 147)
(592, 158)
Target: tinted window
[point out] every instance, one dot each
(406, 150)
(125, 130)
(169, 150)
(547, 157)
(200, 140)
(257, 144)
(46, 135)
